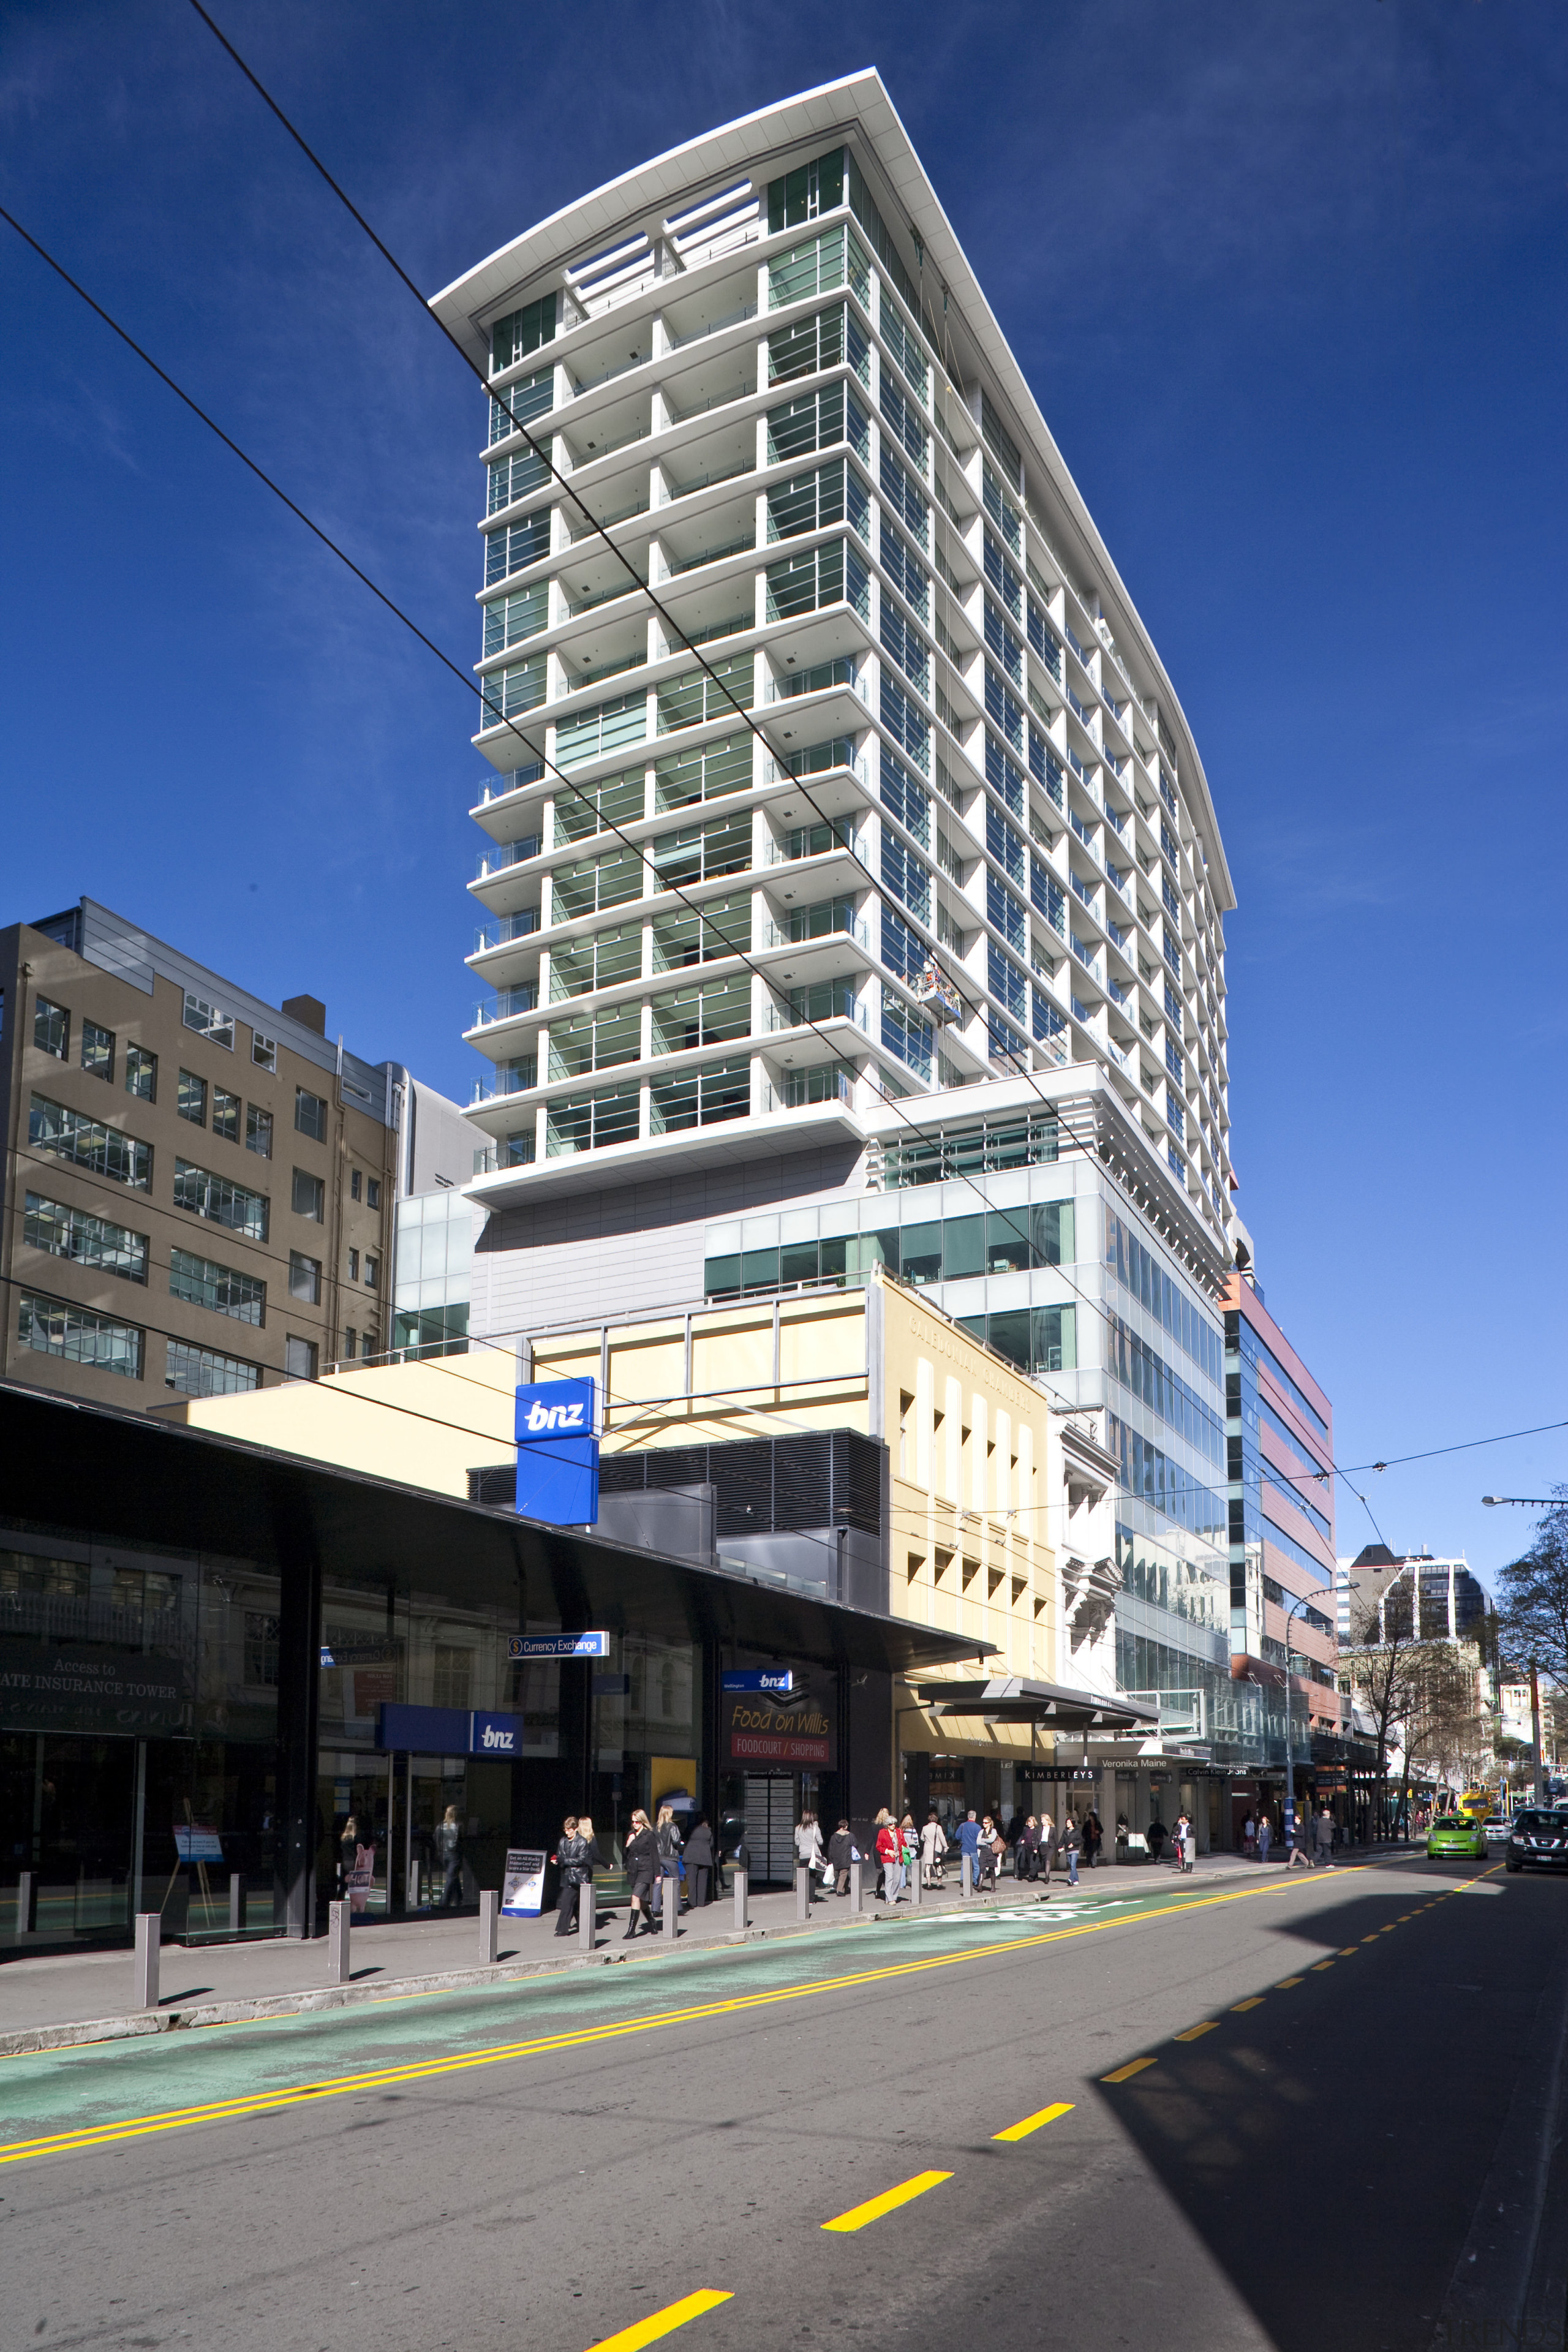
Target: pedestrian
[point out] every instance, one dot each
(908, 1839)
(348, 1854)
(1093, 1839)
(1155, 1833)
(1323, 1830)
(641, 1861)
(808, 1849)
(1071, 1841)
(890, 1850)
(569, 1850)
(985, 1855)
(1026, 1861)
(1179, 1839)
(933, 1850)
(449, 1854)
(1264, 1833)
(841, 1854)
(1249, 1838)
(1189, 1843)
(1047, 1852)
(699, 1859)
(968, 1843)
(1302, 1843)
(667, 1838)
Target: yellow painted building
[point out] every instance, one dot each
(968, 1439)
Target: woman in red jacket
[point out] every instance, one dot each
(890, 1854)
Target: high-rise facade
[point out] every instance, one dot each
(843, 767)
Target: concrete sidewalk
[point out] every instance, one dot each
(63, 2000)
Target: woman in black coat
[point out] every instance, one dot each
(641, 1867)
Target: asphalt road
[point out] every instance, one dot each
(1263, 2116)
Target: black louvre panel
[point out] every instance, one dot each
(622, 1474)
(742, 1475)
(856, 1481)
(803, 1482)
(677, 1465)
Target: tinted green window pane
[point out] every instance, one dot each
(720, 1274)
(759, 1268)
(797, 1262)
(1007, 1241)
(963, 1247)
(835, 1256)
(1010, 1335)
(1055, 1338)
(1051, 1224)
(922, 1252)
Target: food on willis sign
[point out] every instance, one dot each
(797, 1730)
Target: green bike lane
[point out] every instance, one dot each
(65, 2100)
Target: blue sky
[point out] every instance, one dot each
(1288, 282)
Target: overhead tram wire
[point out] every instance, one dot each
(542, 455)
(471, 686)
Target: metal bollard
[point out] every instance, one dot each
(236, 1902)
(803, 1890)
(917, 1891)
(26, 1901)
(966, 1875)
(489, 1926)
(149, 1934)
(588, 1915)
(741, 1921)
(854, 1903)
(672, 1907)
(338, 1968)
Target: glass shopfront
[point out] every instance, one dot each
(138, 1739)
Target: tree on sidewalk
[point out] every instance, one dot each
(1533, 1595)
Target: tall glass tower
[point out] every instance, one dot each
(841, 768)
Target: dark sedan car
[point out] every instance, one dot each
(1539, 1839)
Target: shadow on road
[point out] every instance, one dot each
(1328, 2147)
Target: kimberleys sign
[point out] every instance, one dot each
(798, 1731)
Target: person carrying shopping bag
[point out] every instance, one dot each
(808, 1849)
(934, 1851)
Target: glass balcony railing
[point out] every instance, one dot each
(715, 327)
(505, 1081)
(511, 927)
(502, 854)
(505, 1004)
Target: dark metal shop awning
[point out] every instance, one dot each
(1009, 1698)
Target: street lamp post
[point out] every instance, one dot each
(1304, 1603)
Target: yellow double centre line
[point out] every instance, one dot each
(343, 2087)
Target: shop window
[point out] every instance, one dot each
(451, 1674)
(261, 1649)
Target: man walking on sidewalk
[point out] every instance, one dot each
(968, 1843)
(1323, 1830)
